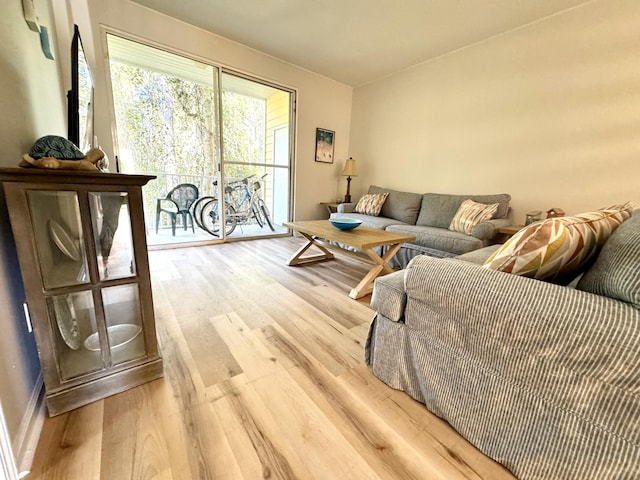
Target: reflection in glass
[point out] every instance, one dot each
(85, 100)
(112, 232)
(124, 325)
(59, 238)
(80, 97)
(75, 321)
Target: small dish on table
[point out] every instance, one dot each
(345, 223)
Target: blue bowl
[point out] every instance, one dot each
(345, 223)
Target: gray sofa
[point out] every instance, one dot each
(543, 378)
(427, 217)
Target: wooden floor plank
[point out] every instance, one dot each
(70, 445)
(388, 453)
(133, 445)
(263, 378)
(295, 423)
(333, 344)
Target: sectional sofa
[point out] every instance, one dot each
(542, 377)
(427, 217)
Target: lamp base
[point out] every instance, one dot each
(347, 197)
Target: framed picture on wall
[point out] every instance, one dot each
(324, 145)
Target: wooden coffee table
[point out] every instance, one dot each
(365, 239)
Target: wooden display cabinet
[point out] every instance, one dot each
(82, 250)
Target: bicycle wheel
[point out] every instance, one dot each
(196, 209)
(256, 213)
(211, 219)
(265, 213)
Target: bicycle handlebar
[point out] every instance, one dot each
(245, 180)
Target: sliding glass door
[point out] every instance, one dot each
(255, 129)
(219, 144)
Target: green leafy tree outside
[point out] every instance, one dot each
(168, 125)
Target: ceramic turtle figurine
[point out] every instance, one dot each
(55, 152)
(56, 147)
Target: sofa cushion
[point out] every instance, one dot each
(403, 206)
(370, 204)
(369, 221)
(557, 249)
(471, 214)
(479, 256)
(438, 209)
(389, 297)
(488, 229)
(616, 271)
(439, 238)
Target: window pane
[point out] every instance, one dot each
(112, 231)
(59, 238)
(167, 126)
(75, 324)
(124, 325)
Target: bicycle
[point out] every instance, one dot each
(241, 205)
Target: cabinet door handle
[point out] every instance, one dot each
(27, 317)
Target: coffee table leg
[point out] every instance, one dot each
(298, 259)
(381, 264)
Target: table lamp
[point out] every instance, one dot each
(349, 171)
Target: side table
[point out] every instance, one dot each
(510, 230)
(505, 233)
(332, 207)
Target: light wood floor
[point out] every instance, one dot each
(264, 378)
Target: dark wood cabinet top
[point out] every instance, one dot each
(77, 177)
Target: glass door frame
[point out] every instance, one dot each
(218, 71)
(291, 126)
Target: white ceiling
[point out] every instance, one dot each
(358, 41)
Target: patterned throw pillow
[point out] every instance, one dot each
(470, 214)
(371, 204)
(557, 249)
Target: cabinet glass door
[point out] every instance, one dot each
(59, 238)
(73, 330)
(112, 234)
(124, 322)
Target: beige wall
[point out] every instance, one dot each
(549, 113)
(321, 102)
(32, 105)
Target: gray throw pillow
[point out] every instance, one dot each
(616, 271)
(438, 209)
(402, 206)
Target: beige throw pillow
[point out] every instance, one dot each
(470, 214)
(557, 249)
(371, 204)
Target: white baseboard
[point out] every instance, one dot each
(26, 441)
(8, 470)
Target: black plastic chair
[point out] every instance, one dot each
(178, 202)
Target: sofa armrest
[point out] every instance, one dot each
(389, 297)
(502, 346)
(345, 207)
(488, 229)
(545, 322)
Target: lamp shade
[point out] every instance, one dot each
(350, 168)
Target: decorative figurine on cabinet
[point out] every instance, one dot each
(58, 153)
(555, 212)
